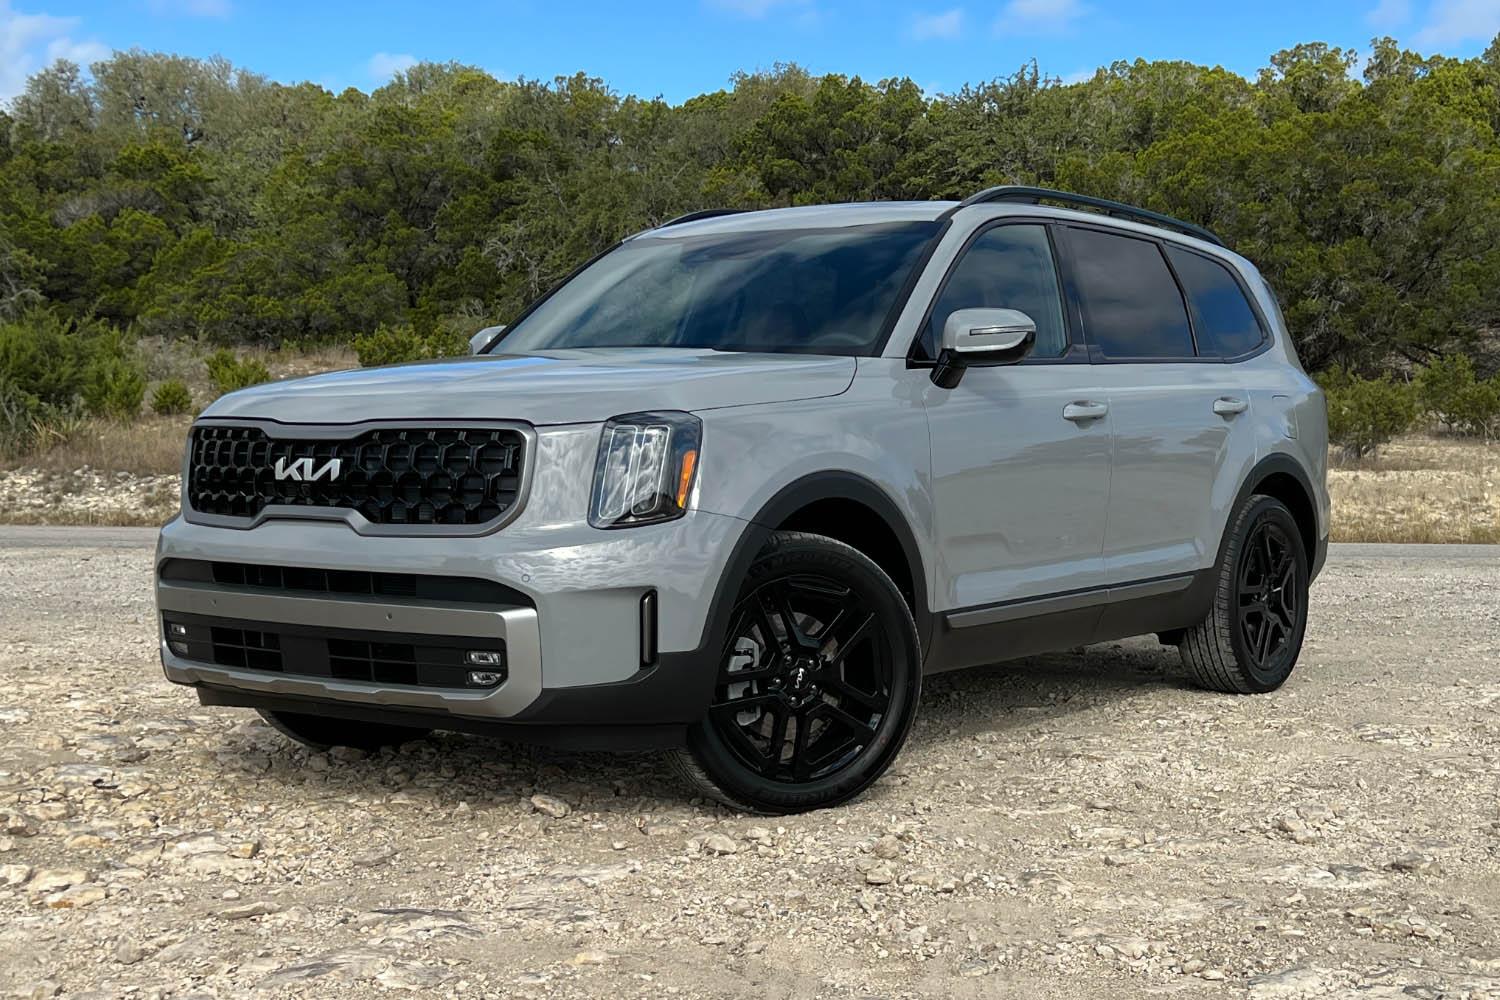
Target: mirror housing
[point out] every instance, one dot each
(984, 337)
(485, 339)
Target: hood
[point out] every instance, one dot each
(556, 387)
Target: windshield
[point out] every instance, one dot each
(821, 291)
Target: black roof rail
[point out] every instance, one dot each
(707, 213)
(1036, 195)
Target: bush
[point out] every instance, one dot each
(171, 398)
(394, 345)
(1364, 414)
(1476, 409)
(1442, 384)
(114, 387)
(43, 358)
(229, 373)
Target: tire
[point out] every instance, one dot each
(817, 685)
(1249, 643)
(321, 732)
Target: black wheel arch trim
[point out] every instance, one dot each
(1274, 464)
(842, 485)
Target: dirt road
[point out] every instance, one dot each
(1073, 826)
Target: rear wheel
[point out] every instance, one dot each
(1250, 642)
(321, 732)
(817, 684)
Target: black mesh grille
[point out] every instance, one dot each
(397, 476)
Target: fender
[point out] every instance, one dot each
(1280, 463)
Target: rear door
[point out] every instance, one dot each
(1181, 419)
(1020, 472)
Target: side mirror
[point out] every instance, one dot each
(982, 337)
(485, 339)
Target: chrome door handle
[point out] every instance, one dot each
(1083, 410)
(1226, 406)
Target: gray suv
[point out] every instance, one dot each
(733, 487)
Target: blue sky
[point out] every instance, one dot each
(678, 50)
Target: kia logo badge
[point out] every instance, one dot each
(302, 470)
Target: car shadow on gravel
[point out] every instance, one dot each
(449, 771)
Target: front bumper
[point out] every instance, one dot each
(572, 642)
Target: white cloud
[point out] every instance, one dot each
(31, 42)
(1039, 17)
(192, 8)
(384, 65)
(753, 9)
(1389, 14)
(1453, 22)
(1079, 76)
(948, 24)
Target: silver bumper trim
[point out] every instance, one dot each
(516, 626)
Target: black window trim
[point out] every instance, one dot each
(1077, 352)
(1234, 273)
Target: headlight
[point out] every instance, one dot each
(644, 473)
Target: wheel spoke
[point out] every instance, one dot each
(844, 689)
(778, 740)
(865, 626)
(800, 769)
(780, 607)
(851, 722)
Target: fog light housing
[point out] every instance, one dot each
(484, 678)
(177, 631)
(484, 658)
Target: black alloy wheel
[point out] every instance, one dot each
(1249, 643)
(1270, 603)
(817, 684)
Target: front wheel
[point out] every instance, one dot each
(1250, 641)
(817, 684)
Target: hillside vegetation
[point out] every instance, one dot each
(191, 206)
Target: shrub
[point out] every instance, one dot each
(1364, 414)
(171, 398)
(113, 387)
(229, 373)
(1442, 384)
(1476, 409)
(43, 358)
(394, 345)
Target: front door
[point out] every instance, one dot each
(1020, 453)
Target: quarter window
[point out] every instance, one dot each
(1132, 307)
(1227, 326)
(1007, 267)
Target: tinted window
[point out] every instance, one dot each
(1131, 304)
(1226, 324)
(1008, 267)
(825, 291)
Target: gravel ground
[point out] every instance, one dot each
(1074, 825)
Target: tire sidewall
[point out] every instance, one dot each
(792, 555)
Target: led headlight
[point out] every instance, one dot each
(644, 473)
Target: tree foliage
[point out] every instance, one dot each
(191, 199)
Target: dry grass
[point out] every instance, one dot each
(1420, 488)
(151, 447)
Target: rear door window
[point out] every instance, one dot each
(1226, 324)
(1132, 307)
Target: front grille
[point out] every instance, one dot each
(388, 658)
(397, 476)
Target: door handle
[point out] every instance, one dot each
(1083, 410)
(1226, 406)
